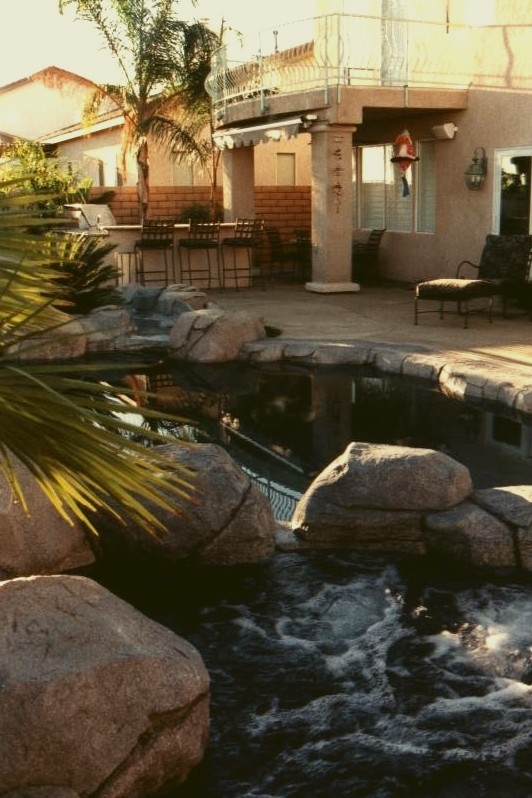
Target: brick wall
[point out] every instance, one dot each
(285, 207)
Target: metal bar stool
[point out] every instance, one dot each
(202, 237)
(127, 267)
(157, 235)
(247, 236)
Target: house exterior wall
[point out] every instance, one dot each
(266, 154)
(489, 65)
(496, 115)
(49, 100)
(463, 218)
(99, 152)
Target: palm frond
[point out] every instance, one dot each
(71, 432)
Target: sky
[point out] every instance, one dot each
(36, 36)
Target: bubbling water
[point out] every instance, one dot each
(336, 674)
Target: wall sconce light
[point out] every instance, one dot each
(476, 172)
(445, 131)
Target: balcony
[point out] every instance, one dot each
(328, 52)
(317, 62)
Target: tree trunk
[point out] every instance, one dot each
(143, 185)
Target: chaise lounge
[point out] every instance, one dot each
(504, 270)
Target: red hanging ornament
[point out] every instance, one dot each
(404, 155)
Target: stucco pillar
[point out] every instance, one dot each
(238, 170)
(332, 209)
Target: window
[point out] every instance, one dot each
(426, 187)
(380, 202)
(286, 169)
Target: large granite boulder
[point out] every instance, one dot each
(227, 522)
(38, 541)
(96, 699)
(67, 341)
(512, 505)
(213, 335)
(470, 536)
(105, 327)
(376, 496)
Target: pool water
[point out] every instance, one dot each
(283, 425)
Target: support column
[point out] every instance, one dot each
(332, 209)
(238, 169)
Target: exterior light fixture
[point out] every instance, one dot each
(476, 172)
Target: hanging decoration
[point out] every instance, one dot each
(404, 154)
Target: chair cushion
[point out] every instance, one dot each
(455, 289)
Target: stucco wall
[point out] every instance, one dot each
(33, 107)
(463, 217)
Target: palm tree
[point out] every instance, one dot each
(158, 55)
(69, 430)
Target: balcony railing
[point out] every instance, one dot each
(352, 50)
(338, 50)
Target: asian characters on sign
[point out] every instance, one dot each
(337, 173)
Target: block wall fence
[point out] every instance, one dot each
(285, 207)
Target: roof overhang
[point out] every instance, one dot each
(81, 131)
(276, 130)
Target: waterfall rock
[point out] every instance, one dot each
(95, 697)
(380, 487)
(228, 521)
(105, 327)
(213, 335)
(177, 299)
(39, 541)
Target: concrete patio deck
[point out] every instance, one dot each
(385, 315)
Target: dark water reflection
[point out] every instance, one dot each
(308, 416)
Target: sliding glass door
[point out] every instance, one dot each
(512, 191)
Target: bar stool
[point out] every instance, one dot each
(127, 267)
(157, 235)
(247, 236)
(202, 237)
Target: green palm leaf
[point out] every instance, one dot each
(70, 430)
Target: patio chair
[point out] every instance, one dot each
(303, 254)
(248, 233)
(202, 237)
(157, 235)
(504, 271)
(282, 256)
(366, 254)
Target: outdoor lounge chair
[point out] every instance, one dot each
(504, 271)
